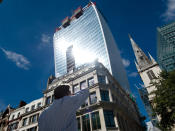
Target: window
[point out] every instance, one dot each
(24, 122)
(102, 79)
(18, 114)
(48, 100)
(33, 107)
(85, 104)
(79, 125)
(32, 129)
(13, 126)
(27, 109)
(109, 118)
(113, 98)
(104, 95)
(39, 105)
(93, 98)
(76, 88)
(151, 75)
(33, 118)
(95, 121)
(86, 122)
(83, 85)
(90, 82)
(52, 98)
(13, 117)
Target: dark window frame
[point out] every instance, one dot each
(95, 118)
(86, 122)
(109, 118)
(91, 82)
(90, 98)
(104, 95)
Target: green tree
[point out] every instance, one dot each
(164, 99)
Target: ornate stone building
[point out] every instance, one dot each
(108, 107)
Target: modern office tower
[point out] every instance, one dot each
(108, 106)
(87, 34)
(166, 46)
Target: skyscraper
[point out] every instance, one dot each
(89, 37)
(166, 46)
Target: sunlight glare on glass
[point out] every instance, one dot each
(64, 45)
(82, 55)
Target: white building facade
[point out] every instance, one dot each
(108, 107)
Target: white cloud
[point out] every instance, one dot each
(170, 11)
(133, 74)
(125, 62)
(45, 39)
(19, 59)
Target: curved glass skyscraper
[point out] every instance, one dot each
(87, 37)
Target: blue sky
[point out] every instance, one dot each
(27, 28)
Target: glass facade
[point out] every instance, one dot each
(70, 59)
(90, 39)
(166, 46)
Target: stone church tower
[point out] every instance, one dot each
(147, 68)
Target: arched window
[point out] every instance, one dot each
(18, 114)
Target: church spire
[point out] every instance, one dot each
(141, 59)
(136, 65)
(152, 59)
